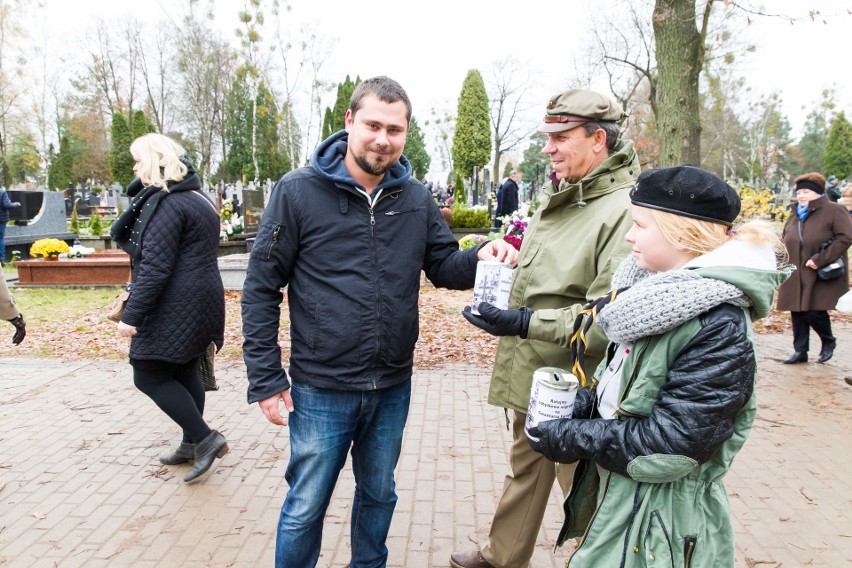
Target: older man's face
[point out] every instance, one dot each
(572, 153)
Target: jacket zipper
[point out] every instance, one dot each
(688, 549)
(609, 473)
(371, 207)
(274, 241)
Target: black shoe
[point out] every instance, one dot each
(185, 452)
(212, 447)
(827, 352)
(797, 357)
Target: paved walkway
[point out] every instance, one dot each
(79, 447)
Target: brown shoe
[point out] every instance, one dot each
(470, 559)
(848, 380)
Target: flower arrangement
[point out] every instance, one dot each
(470, 241)
(514, 229)
(48, 248)
(231, 226)
(227, 210)
(78, 251)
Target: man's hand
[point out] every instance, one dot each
(500, 322)
(270, 407)
(20, 329)
(498, 250)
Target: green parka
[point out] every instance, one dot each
(574, 242)
(685, 409)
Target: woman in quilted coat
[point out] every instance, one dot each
(673, 402)
(177, 302)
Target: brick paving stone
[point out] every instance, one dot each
(93, 472)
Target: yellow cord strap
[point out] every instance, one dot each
(582, 323)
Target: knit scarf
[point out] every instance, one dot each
(128, 229)
(655, 303)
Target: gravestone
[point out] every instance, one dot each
(47, 222)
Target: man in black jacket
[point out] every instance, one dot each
(349, 237)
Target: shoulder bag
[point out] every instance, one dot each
(206, 371)
(116, 310)
(832, 270)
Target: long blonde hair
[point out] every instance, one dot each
(159, 159)
(700, 237)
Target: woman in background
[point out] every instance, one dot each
(177, 302)
(817, 233)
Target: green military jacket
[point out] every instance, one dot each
(574, 243)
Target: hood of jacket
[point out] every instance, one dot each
(618, 170)
(327, 160)
(748, 267)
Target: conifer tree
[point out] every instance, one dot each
(472, 139)
(838, 150)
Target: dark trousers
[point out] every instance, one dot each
(803, 322)
(177, 390)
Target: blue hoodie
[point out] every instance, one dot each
(352, 264)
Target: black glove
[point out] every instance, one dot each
(544, 438)
(20, 329)
(500, 322)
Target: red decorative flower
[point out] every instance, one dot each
(513, 240)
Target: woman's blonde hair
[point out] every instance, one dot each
(700, 237)
(159, 159)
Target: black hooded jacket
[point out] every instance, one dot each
(352, 268)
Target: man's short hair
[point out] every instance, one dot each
(385, 89)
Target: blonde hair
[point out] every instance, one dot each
(159, 159)
(700, 237)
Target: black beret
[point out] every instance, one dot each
(689, 191)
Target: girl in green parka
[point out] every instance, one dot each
(674, 401)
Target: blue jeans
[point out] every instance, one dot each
(3, 242)
(323, 427)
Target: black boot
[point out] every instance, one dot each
(184, 453)
(827, 352)
(797, 357)
(212, 447)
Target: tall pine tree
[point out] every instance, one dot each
(838, 150)
(472, 139)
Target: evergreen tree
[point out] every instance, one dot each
(120, 159)
(812, 144)
(838, 150)
(535, 163)
(141, 125)
(237, 131)
(472, 139)
(271, 160)
(272, 163)
(327, 122)
(60, 167)
(415, 151)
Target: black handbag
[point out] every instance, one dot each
(206, 370)
(832, 270)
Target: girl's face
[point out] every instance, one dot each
(804, 196)
(653, 252)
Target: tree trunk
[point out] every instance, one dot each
(680, 56)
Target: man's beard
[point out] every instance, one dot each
(375, 169)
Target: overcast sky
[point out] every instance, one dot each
(429, 46)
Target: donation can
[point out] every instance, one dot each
(551, 396)
(493, 284)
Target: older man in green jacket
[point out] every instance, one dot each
(574, 243)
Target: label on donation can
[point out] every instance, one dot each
(493, 283)
(551, 396)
